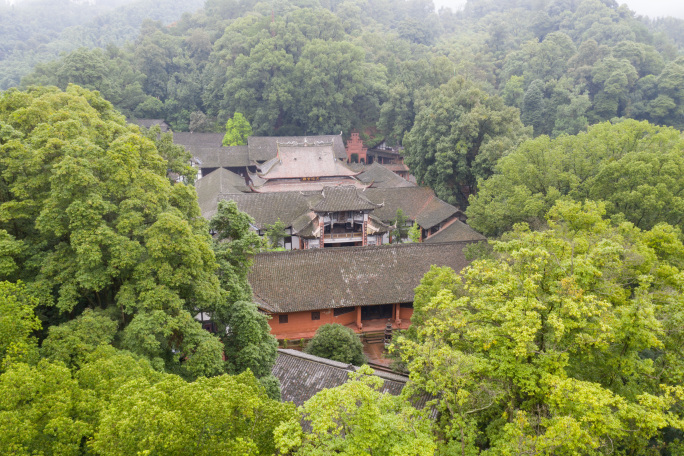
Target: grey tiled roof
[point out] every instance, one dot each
(267, 208)
(304, 224)
(262, 148)
(418, 203)
(294, 162)
(456, 231)
(149, 123)
(302, 375)
(329, 278)
(346, 198)
(221, 157)
(208, 149)
(382, 177)
(198, 139)
(217, 182)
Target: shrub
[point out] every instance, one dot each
(338, 343)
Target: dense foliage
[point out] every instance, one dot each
(337, 342)
(320, 68)
(636, 168)
(105, 261)
(35, 31)
(356, 419)
(90, 220)
(568, 341)
(565, 337)
(458, 137)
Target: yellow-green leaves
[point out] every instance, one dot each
(229, 415)
(356, 419)
(17, 324)
(561, 342)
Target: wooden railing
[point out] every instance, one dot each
(343, 235)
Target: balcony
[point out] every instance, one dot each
(343, 237)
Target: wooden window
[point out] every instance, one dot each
(343, 310)
(282, 319)
(315, 315)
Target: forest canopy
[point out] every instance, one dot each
(557, 121)
(319, 67)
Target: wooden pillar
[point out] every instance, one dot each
(365, 233)
(358, 318)
(322, 228)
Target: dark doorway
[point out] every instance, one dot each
(377, 312)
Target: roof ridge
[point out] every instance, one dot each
(391, 376)
(314, 358)
(448, 224)
(359, 248)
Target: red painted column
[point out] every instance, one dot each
(321, 224)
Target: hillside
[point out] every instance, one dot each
(36, 31)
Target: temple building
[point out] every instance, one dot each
(302, 166)
(305, 183)
(359, 287)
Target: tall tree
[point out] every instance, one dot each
(237, 131)
(101, 226)
(458, 137)
(635, 167)
(566, 342)
(533, 112)
(248, 343)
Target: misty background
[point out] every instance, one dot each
(650, 8)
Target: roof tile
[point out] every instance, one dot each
(302, 375)
(329, 278)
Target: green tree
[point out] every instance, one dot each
(247, 339)
(337, 342)
(415, 233)
(513, 92)
(70, 342)
(400, 231)
(275, 234)
(249, 344)
(564, 343)
(237, 131)
(219, 415)
(335, 88)
(40, 410)
(18, 323)
(533, 111)
(102, 227)
(632, 166)
(234, 246)
(458, 137)
(396, 114)
(357, 419)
